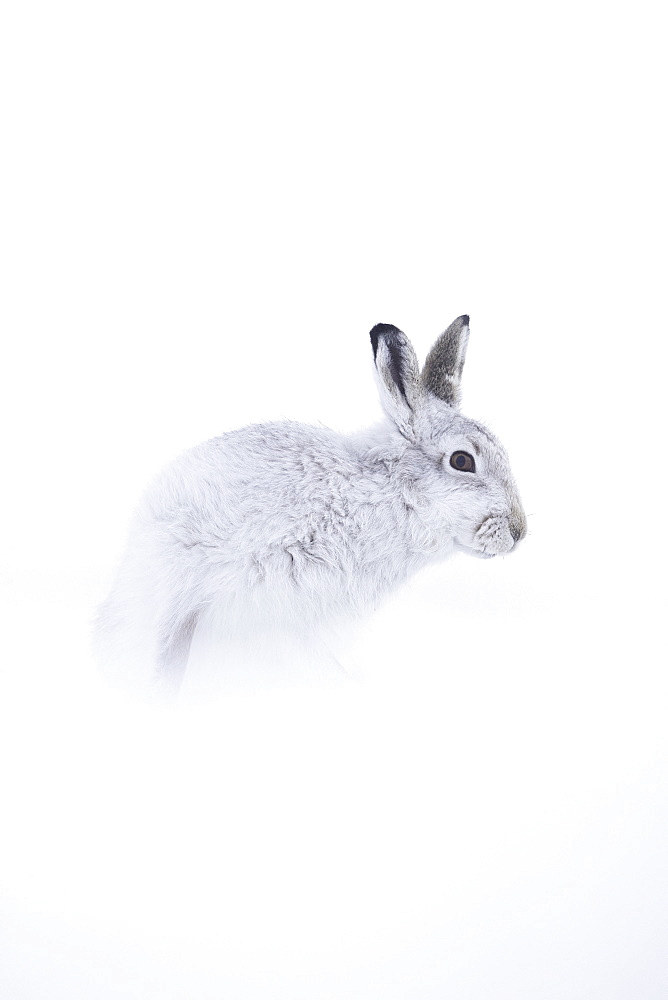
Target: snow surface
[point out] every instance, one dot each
(205, 209)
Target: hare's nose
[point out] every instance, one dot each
(518, 526)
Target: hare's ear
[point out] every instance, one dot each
(442, 372)
(398, 376)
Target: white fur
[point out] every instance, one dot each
(283, 527)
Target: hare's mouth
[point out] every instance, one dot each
(493, 536)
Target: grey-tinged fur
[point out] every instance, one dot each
(289, 528)
(442, 373)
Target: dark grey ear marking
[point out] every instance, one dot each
(395, 361)
(442, 371)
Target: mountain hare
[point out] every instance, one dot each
(287, 526)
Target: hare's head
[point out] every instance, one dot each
(464, 468)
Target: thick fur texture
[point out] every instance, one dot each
(289, 527)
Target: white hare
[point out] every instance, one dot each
(288, 526)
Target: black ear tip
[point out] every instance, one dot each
(464, 320)
(381, 330)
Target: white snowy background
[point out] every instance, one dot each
(205, 207)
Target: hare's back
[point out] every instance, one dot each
(252, 475)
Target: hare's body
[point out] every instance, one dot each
(288, 526)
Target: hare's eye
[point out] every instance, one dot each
(463, 461)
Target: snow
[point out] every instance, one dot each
(205, 212)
